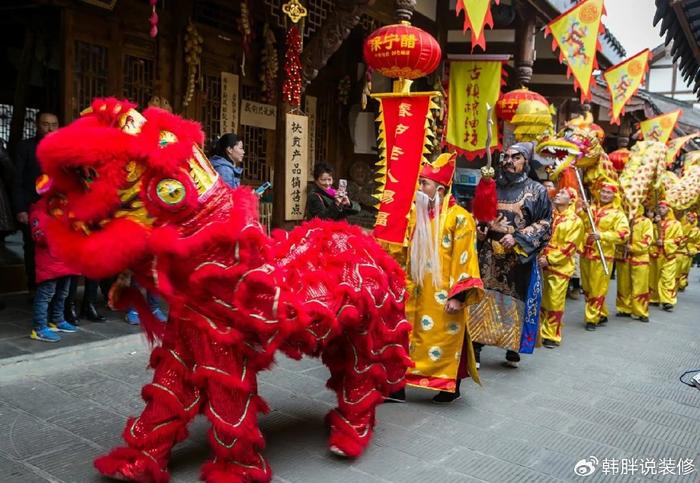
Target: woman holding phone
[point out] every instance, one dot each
(325, 202)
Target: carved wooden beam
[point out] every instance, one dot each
(328, 40)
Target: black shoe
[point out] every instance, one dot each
(623, 314)
(590, 326)
(512, 359)
(90, 312)
(667, 307)
(70, 313)
(396, 397)
(549, 344)
(603, 321)
(643, 319)
(655, 304)
(445, 397)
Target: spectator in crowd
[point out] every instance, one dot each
(7, 223)
(53, 279)
(24, 194)
(227, 159)
(325, 202)
(132, 316)
(89, 305)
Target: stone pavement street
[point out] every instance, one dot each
(612, 394)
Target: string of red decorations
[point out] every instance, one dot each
(291, 88)
(153, 19)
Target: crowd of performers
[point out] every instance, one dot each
(505, 283)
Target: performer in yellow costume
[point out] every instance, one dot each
(668, 235)
(612, 229)
(633, 270)
(558, 264)
(443, 279)
(688, 249)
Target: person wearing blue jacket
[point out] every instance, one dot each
(228, 159)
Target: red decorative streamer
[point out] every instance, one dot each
(153, 19)
(291, 88)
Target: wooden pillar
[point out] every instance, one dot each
(525, 42)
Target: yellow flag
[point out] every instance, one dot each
(623, 81)
(477, 15)
(575, 33)
(659, 128)
(473, 85)
(675, 146)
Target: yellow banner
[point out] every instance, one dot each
(473, 84)
(575, 33)
(675, 146)
(477, 15)
(659, 128)
(623, 81)
(229, 103)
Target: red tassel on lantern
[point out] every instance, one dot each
(485, 203)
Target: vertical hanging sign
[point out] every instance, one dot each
(296, 161)
(229, 103)
(310, 107)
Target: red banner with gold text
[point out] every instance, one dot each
(403, 130)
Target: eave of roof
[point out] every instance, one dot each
(680, 22)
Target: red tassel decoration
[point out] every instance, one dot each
(484, 205)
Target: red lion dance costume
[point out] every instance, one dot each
(132, 191)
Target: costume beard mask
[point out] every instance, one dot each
(425, 257)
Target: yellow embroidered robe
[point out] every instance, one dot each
(614, 230)
(670, 231)
(633, 270)
(438, 338)
(567, 239)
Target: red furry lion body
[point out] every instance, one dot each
(130, 196)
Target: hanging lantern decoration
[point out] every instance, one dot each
(291, 88)
(532, 119)
(402, 51)
(269, 66)
(619, 159)
(508, 104)
(245, 27)
(153, 19)
(193, 59)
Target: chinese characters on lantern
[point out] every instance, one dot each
(229, 103)
(296, 160)
(392, 45)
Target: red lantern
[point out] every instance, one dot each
(619, 159)
(509, 102)
(402, 51)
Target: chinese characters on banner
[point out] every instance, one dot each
(473, 84)
(296, 160)
(402, 135)
(229, 103)
(256, 114)
(623, 81)
(310, 106)
(659, 128)
(576, 32)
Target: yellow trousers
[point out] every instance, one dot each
(684, 264)
(653, 280)
(554, 290)
(595, 286)
(633, 288)
(667, 269)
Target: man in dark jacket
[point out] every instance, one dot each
(24, 194)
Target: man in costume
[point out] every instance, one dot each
(633, 270)
(691, 239)
(558, 264)
(668, 235)
(611, 229)
(509, 315)
(443, 278)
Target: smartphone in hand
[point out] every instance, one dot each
(342, 187)
(263, 187)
